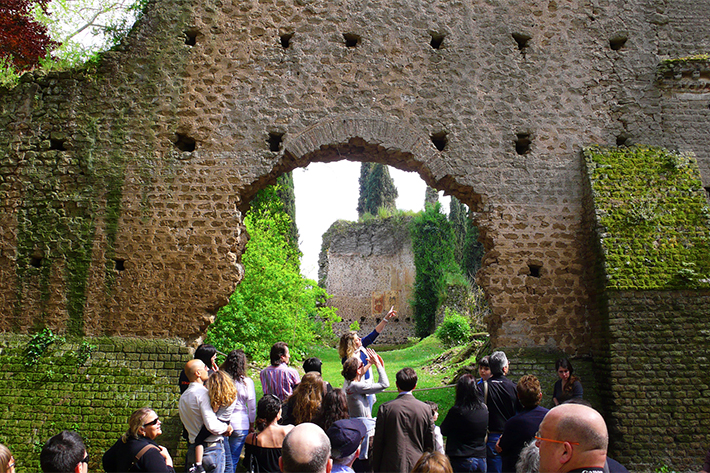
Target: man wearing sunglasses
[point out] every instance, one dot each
(64, 453)
(572, 438)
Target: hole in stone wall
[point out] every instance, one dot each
(58, 145)
(621, 140)
(440, 141)
(119, 264)
(523, 40)
(408, 319)
(362, 319)
(36, 261)
(191, 36)
(535, 270)
(275, 140)
(378, 320)
(286, 40)
(436, 40)
(707, 192)
(523, 144)
(351, 40)
(617, 42)
(184, 142)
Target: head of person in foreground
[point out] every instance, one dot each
(306, 449)
(572, 436)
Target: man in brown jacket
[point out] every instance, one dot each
(404, 429)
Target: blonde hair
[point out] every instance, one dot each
(221, 388)
(347, 347)
(135, 422)
(433, 462)
(307, 397)
(5, 457)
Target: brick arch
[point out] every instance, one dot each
(366, 138)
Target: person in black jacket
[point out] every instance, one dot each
(502, 400)
(136, 450)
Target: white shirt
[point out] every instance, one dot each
(196, 411)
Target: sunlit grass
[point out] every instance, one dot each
(419, 356)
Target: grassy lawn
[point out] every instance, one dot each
(419, 356)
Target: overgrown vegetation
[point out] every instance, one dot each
(454, 330)
(273, 302)
(432, 244)
(653, 216)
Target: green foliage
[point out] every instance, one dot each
(284, 193)
(432, 244)
(355, 326)
(9, 75)
(431, 196)
(38, 345)
(467, 250)
(653, 217)
(454, 330)
(376, 189)
(274, 302)
(84, 354)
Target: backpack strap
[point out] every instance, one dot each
(143, 451)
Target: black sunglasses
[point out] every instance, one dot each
(152, 422)
(85, 459)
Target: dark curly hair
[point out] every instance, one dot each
(236, 365)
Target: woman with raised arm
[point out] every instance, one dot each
(7, 461)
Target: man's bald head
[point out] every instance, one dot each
(572, 436)
(193, 368)
(306, 449)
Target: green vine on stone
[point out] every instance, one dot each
(84, 353)
(38, 345)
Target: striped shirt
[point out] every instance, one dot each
(279, 380)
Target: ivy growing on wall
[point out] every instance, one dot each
(652, 216)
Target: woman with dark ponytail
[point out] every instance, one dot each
(263, 447)
(568, 386)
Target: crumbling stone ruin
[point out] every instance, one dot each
(122, 187)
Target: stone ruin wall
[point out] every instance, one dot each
(368, 268)
(122, 191)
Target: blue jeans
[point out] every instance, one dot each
(495, 462)
(213, 458)
(236, 443)
(467, 465)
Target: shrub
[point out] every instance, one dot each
(454, 330)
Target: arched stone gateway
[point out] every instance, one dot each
(121, 188)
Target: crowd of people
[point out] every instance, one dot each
(305, 425)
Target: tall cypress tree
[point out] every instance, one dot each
(284, 190)
(376, 189)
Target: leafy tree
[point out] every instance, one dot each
(432, 244)
(467, 250)
(85, 27)
(285, 193)
(23, 40)
(376, 189)
(273, 302)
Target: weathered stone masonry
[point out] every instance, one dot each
(121, 189)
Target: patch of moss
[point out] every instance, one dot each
(652, 216)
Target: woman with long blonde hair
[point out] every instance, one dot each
(137, 450)
(223, 400)
(305, 402)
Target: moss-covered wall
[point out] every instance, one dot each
(90, 385)
(650, 218)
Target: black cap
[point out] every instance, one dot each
(345, 437)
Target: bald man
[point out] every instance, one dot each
(572, 438)
(306, 449)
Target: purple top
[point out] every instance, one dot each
(279, 380)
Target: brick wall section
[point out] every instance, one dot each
(96, 399)
(369, 267)
(658, 404)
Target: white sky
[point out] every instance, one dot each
(326, 192)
